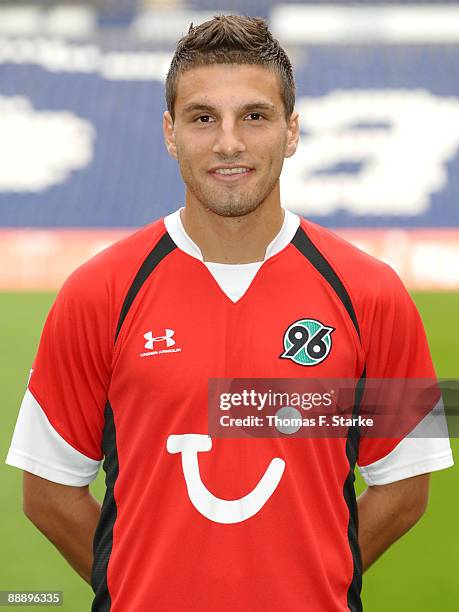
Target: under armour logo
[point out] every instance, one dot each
(167, 337)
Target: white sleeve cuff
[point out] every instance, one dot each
(38, 448)
(393, 467)
(50, 472)
(426, 449)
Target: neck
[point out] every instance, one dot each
(232, 240)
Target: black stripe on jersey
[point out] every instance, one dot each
(164, 246)
(312, 253)
(303, 243)
(354, 601)
(103, 537)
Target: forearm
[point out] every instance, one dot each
(70, 527)
(379, 527)
(386, 513)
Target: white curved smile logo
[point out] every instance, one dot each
(212, 507)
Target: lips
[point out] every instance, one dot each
(231, 173)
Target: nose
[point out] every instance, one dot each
(228, 140)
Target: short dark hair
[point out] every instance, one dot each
(231, 39)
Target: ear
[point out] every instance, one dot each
(293, 136)
(169, 136)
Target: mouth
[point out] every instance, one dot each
(231, 174)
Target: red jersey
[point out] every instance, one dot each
(122, 374)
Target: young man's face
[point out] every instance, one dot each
(230, 116)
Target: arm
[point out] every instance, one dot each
(66, 515)
(386, 512)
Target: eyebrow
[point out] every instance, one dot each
(201, 107)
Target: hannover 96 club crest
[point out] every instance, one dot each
(307, 342)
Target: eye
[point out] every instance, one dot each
(255, 116)
(203, 119)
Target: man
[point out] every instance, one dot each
(191, 522)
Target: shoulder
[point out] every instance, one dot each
(391, 330)
(116, 265)
(366, 278)
(120, 258)
(95, 290)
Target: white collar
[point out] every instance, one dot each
(176, 231)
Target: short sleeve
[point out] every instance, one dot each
(396, 347)
(58, 434)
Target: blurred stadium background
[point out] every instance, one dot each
(82, 163)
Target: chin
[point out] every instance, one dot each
(233, 209)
